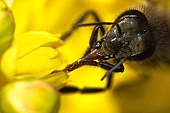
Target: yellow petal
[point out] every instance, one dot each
(38, 63)
(32, 55)
(58, 80)
(8, 63)
(32, 40)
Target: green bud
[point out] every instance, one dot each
(28, 96)
(7, 26)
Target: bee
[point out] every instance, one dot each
(140, 35)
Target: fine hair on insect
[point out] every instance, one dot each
(141, 34)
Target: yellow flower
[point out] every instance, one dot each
(130, 89)
(32, 55)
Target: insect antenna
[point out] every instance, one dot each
(94, 24)
(109, 73)
(67, 34)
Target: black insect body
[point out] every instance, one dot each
(140, 34)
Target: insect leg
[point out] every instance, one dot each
(74, 89)
(80, 20)
(95, 89)
(94, 34)
(109, 72)
(107, 66)
(104, 65)
(93, 37)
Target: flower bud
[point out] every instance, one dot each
(7, 26)
(28, 96)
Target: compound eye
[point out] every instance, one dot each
(144, 31)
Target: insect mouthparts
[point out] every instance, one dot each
(87, 59)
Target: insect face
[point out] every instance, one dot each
(129, 36)
(134, 36)
(141, 35)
